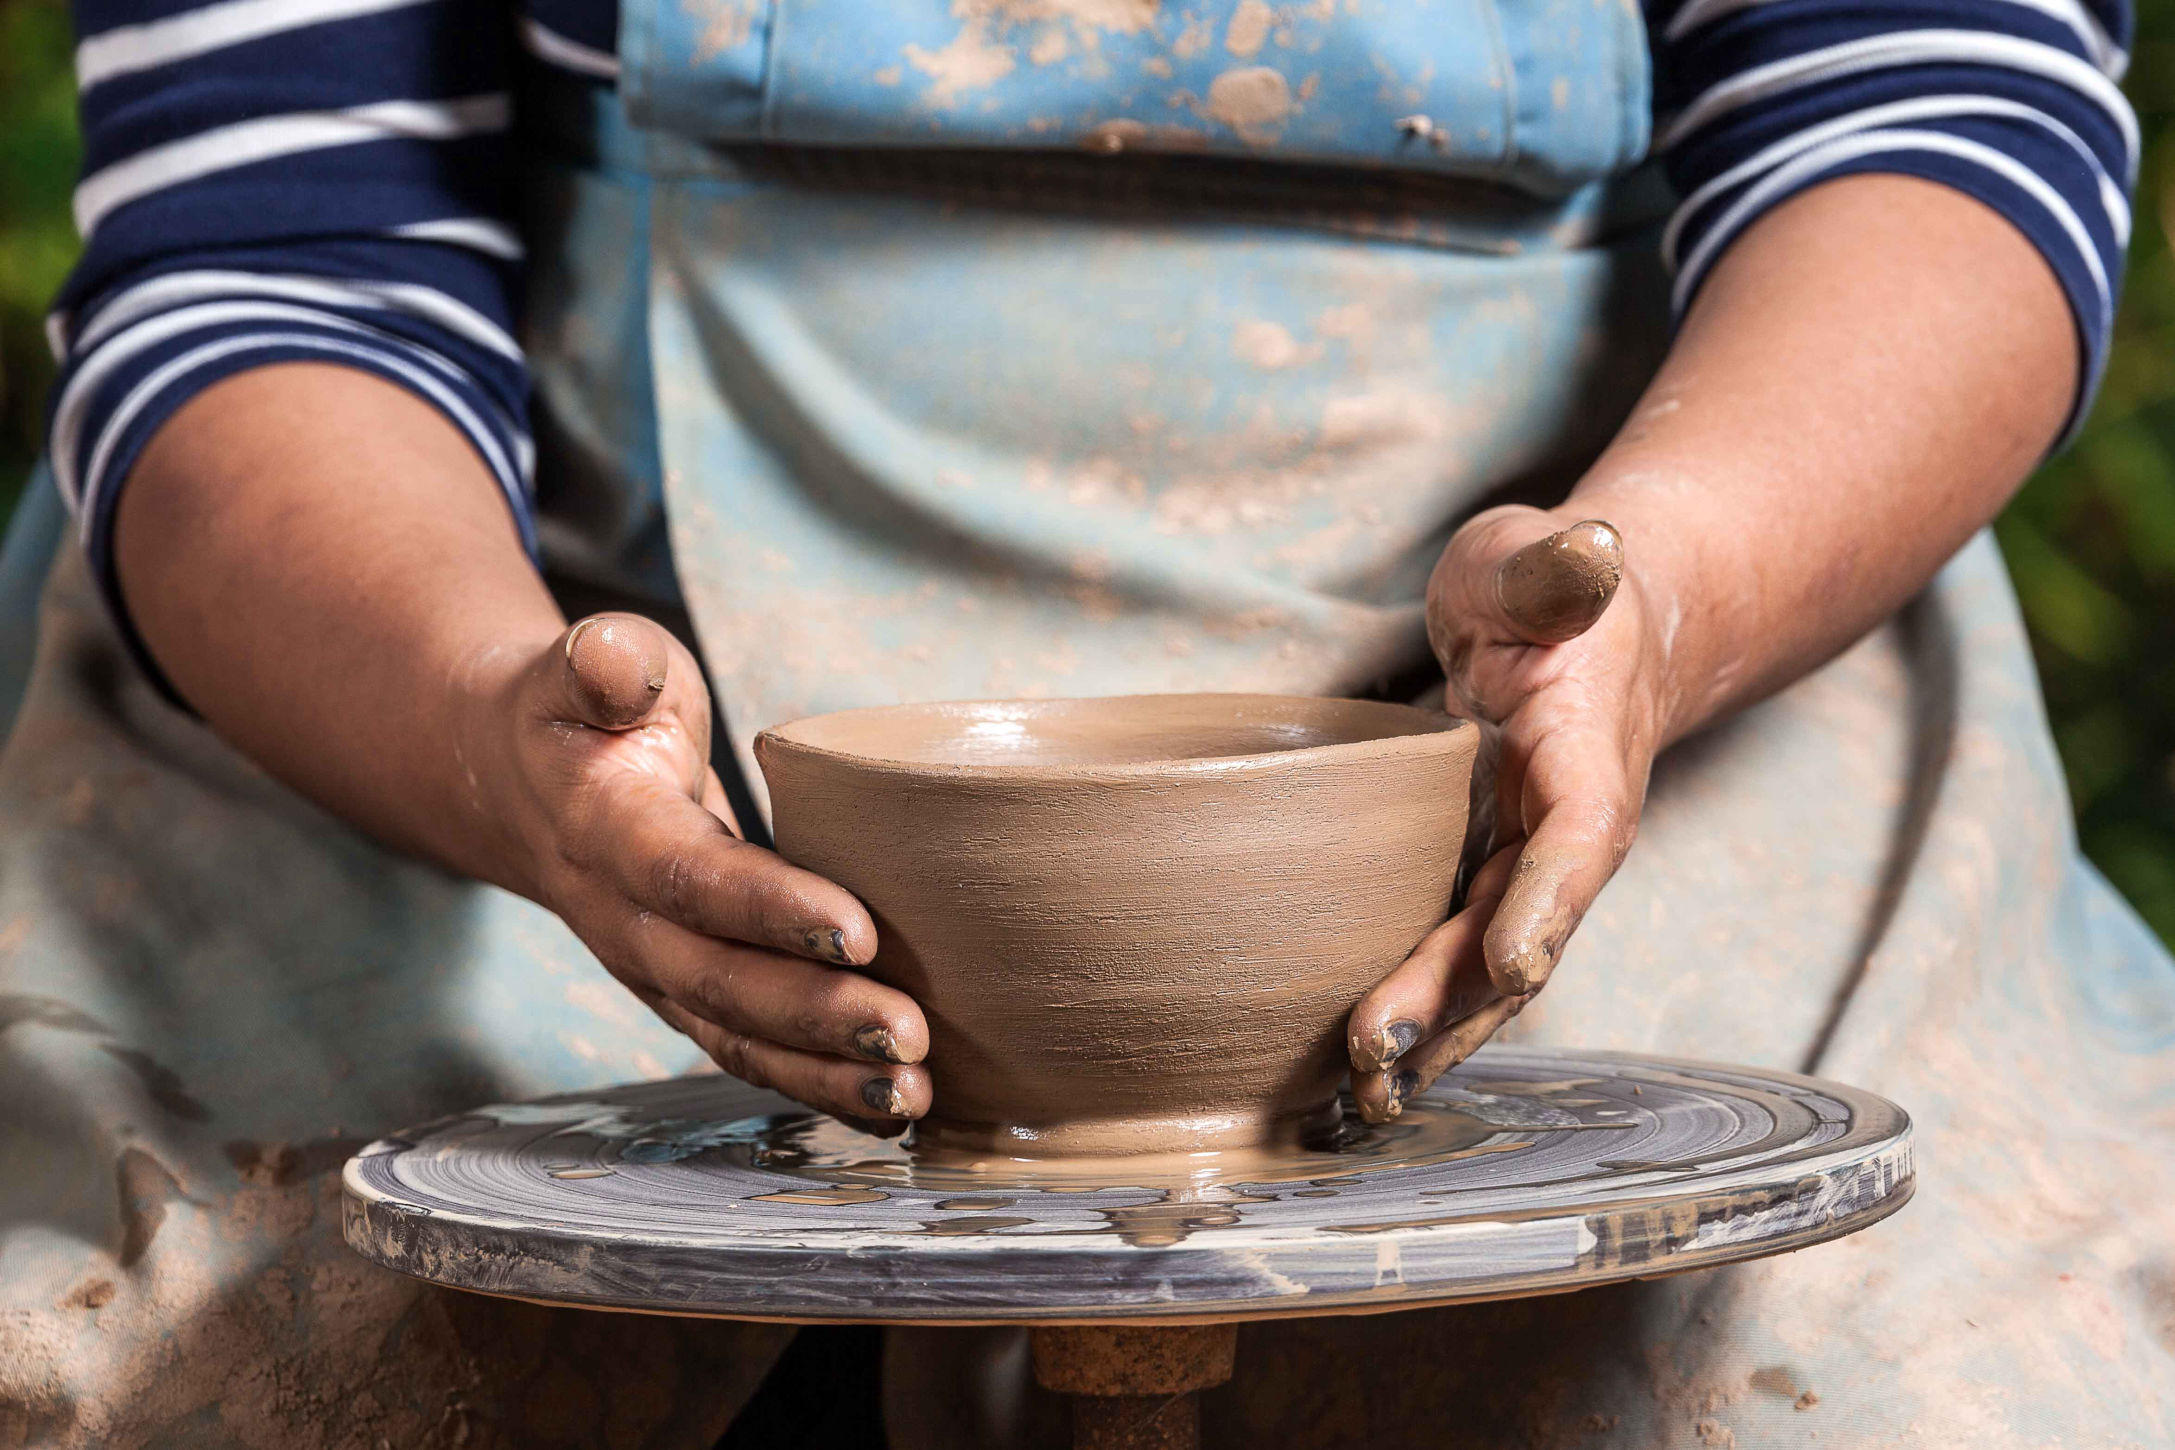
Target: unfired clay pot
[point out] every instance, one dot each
(1136, 924)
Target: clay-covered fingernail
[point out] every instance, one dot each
(877, 1043)
(1527, 968)
(882, 1096)
(1400, 1087)
(618, 665)
(827, 942)
(1531, 948)
(1397, 1039)
(1554, 589)
(1385, 1046)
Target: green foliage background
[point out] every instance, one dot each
(2091, 543)
(37, 240)
(2091, 540)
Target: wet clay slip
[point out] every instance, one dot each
(1136, 924)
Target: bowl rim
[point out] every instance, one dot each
(1445, 732)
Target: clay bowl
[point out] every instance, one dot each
(1136, 924)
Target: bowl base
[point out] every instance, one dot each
(938, 1141)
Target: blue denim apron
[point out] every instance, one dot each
(936, 416)
(1012, 347)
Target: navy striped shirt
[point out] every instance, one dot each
(267, 180)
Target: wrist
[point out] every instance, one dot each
(1681, 600)
(494, 828)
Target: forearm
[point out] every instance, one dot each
(327, 572)
(1866, 377)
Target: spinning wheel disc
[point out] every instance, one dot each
(1523, 1172)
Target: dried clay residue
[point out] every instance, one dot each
(1249, 29)
(1254, 101)
(1117, 17)
(1270, 346)
(244, 1321)
(831, 1197)
(971, 62)
(725, 25)
(145, 1187)
(983, 52)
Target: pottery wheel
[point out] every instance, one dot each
(1523, 1172)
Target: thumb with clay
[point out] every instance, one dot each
(1512, 577)
(614, 671)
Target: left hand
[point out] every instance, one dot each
(1560, 657)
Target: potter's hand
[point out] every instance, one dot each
(326, 569)
(1840, 411)
(1565, 684)
(630, 840)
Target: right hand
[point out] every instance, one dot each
(1564, 658)
(596, 758)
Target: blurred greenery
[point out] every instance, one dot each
(2091, 540)
(37, 239)
(2091, 543)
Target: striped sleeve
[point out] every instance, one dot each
(580, 36)
(2012, 102)
(275, 180)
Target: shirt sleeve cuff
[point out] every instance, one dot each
(2079, 235)
(111, 400)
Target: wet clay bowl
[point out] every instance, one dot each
(1136, 924)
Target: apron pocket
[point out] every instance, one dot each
(1544, 94)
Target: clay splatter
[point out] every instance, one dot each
(1254, 101)
(839, 1195)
